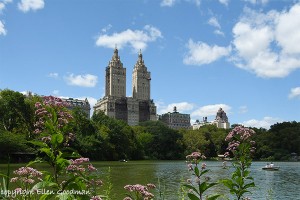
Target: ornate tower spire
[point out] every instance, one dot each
(115, 84)
(140, 62)
(140, 80)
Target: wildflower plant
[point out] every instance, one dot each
(241, 147)
(139, 192)
(199, 184)
(68, 179)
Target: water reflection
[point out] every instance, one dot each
(282, 184)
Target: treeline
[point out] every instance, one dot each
(104, 138)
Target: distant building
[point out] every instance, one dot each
(84, 105)
(198, 123)
(221, 121)
(176, 120)
(71, 103)
(138, 108)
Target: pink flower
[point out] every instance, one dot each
(91, 167)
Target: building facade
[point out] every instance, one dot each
(84, 105)
(176, 120)
(138, 108)
(221, 121)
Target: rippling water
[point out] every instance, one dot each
(282, 184)
(270, 185)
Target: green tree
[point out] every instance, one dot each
(166, 142)
(119, 137)
(12, 143)
(16, 114)
(194, 140)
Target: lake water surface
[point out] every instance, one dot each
(282, 184)
(276, 185)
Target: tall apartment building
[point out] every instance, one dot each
(176, 120)
(140, 107)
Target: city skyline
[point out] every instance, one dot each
(241, 56)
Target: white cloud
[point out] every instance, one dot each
(53, 75)
(136, 39)
(214, 22)
(107, 28)
(27, 5)
(266, 122)
(200, 53)
(168, 3)
(2, 29)
(294, 93)
(86, 80)
(257, 1)
(218, 32)
(181, 107)
(225, 2)
(288, 30)
(210, 110)
(243, 109)
(264, 43)
(2, 6)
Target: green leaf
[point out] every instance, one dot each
(213, 197)
(192, 196)
(196, 170)
(204, 186)
(204, 172)
(65, 196)
(38, 143)
(249, 185)
(48, 152)
(57, 139)
(227, 182)
(191, 187)
(44, 185)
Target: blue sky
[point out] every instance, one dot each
(243, 56)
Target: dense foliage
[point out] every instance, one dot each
(104, 138)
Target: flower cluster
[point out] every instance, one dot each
(43, 113)
(77, 165)
(26, 175)
(237, 136)
(140, 189)
(195, 156)
(241, 133)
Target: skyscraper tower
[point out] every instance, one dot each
(115, 78)
(115, 104)
(140, 80)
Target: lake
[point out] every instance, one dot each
(282, 184)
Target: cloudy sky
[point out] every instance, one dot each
(243, 56)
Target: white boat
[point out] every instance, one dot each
(270, 167)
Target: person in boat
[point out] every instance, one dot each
(271, 165)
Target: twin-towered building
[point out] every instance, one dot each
(138, 108)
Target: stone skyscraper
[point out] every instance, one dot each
(115, 104)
